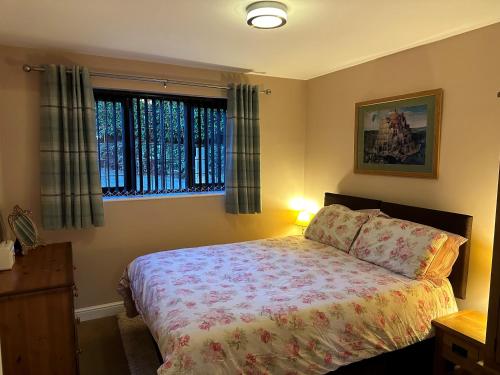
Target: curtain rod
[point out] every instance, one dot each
(164, 81)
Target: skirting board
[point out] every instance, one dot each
(99, 311)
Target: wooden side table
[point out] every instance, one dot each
(460, 339)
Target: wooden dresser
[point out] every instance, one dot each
(37, 323)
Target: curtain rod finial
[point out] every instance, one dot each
(27, 68)
(267, 91)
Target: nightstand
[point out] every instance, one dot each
(460, 339)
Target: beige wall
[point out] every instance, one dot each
(134, 227)
(467, 67)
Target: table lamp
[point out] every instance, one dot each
(303, 219)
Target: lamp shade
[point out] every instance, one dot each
(303, 218)
(266, 14)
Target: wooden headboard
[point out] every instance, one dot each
(451, 222)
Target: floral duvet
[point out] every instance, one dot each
(277, 306)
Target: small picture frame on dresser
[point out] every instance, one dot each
(24, 228)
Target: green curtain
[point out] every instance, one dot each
(242, 183)
(71, 194)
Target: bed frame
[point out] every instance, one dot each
(416, 358)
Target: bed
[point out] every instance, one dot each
(291, 305)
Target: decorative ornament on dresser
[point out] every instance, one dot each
(24, 228)
(399, 135)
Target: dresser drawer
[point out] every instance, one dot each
(455, 346)
(37, 328)
(38, 334)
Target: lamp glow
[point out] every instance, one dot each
(303, 218)
(311, 206)
(297, 204)
(266, 14)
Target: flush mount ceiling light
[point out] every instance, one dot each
(266, 14)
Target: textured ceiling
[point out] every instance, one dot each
(321, 35)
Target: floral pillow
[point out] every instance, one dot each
(336, 225)
(446, 257)
(373, 212)
(401, 246)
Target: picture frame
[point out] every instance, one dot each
(22, 225)
(399, 135)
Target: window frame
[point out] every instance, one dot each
(125, 97)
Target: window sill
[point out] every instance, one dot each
(163, 196)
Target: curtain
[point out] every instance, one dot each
(71, 194)
(242, 183)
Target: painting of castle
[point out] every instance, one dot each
(395, 135)
(399, 135)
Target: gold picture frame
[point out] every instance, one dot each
(25, 229)
(399, 135)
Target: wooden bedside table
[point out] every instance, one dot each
(460, 339)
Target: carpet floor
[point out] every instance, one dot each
(138, 345)
(116, 346)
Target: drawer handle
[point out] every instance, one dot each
(458, 350)
(79, 351)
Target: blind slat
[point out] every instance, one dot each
(139, 132)
(155, 134)
(108, 180)
(162, 147)
(115, 136)
(217, 148)
(200, 178)
(98, 128)
(147, 145)
(212, 148)
(205, 153)
(179, 153)
(171, 145)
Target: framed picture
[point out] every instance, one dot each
(399, 136)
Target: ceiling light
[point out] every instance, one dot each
(266, 14)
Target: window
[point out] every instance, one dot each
(157, 144)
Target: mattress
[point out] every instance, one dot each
(277, 306)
